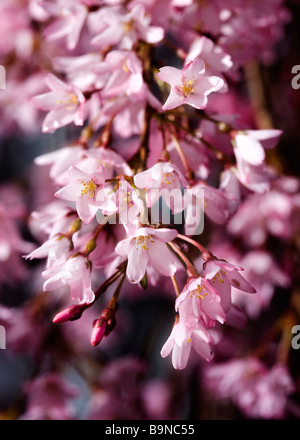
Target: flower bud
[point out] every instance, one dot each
(70, 314)
(98, 332)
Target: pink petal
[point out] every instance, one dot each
(86, 209)
(171, 75)
(137, 263)
(268, 138)
(153, 34)
(56, 84)
(162, 259)
(164, 234)
(250, 149)
(181, 355)
(57, 118)
(201, 347)
(239, 282)
(168, 346)
(174, 100)
(194, 69)
(69, 192)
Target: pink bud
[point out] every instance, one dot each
(99, 328)
(70, 314)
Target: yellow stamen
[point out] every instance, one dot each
(89, 188)
(167, 178)
(128, 26)
(142, 240)
(187, 87)
(69, 101)
(198, 292)
(218, 277)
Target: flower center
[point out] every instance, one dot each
(69, 101)
(218, 277)
(187, 87)
(198, 292)
(167, 178)
(128, 199)
(128, 26)
(89, 188)
(142, 241)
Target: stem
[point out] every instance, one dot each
(189, 172)
(206, 254)
(114, 300)
(192, 271)
(102, 288)
(175, 284)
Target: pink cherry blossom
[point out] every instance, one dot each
(52, 219)
(69, 19)
(215, 59)
(251, 144)
(214, 202)
(126, 29)
(123, 73)
(265, 274)
(148, 246)
(103, 159)
(89, 193)
(56, 249)
(65, 104)
(185, 335)
(60, 160)
(222, 275)
(199, 299)
(161, 180)
(189, 85)
(257, 391)
(75, 273)
(129, 205)
(79, 70)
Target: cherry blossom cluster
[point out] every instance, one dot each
(137, 146)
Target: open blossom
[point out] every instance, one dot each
(275, 212)
(251, 144)
(148, 246)
(129, 205)
(65, 104)
(161, 180)
(249, 150)
(222, 275)
(189, 85)
(199, 299)
(265, 274)
(52, 219)
(69, 19)
(125, 29)
(79, 70)
(75, 273)
(122, 72)
(187, 333)
(56, 249)
(259, 392)
(106, 160)
(214, 57)
(60, 160)
(89, 193)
